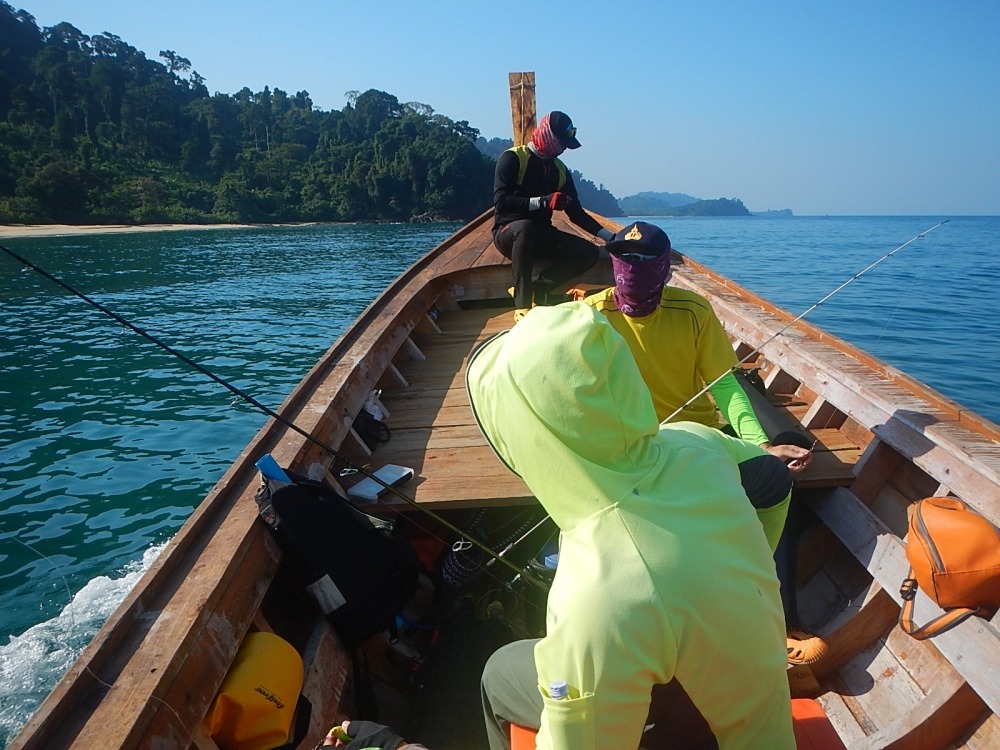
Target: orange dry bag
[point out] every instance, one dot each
(256, 703)
(954, 556)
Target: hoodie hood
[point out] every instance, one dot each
(562, 390)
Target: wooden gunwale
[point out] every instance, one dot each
(163, 657)
(941, 403)
(920, 423)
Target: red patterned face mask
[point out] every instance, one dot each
(544, 141)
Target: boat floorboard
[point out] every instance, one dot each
(433, 430)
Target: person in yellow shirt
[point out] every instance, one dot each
(681, 347)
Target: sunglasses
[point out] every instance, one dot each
(633, 257)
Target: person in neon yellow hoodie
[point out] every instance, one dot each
(665, 573)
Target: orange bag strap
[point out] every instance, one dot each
(940, 624)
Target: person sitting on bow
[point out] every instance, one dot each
(530, 183)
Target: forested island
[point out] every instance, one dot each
(681, 204)
(94, 132)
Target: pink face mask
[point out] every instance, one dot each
(639, 283)
(544, 140)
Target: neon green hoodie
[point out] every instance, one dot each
(664, 570)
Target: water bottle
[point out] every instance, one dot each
(270, 469)
(558, 690)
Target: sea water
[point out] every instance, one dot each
(107, 443)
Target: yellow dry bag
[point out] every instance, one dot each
(256, 703)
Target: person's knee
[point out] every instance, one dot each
(510, 671)
(496, 673)
(525, 235)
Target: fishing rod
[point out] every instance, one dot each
(516, 542)
(271, 413)
(781, 331)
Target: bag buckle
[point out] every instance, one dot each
(909, 589)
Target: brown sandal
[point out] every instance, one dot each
(804, 648)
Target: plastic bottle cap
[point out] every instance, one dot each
(558, 690)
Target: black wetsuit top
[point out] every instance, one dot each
(510, 200)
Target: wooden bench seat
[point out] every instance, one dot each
(834, 453)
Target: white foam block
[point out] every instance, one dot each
(369, 490)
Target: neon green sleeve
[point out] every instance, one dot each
(735, 407)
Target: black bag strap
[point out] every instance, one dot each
(365, 700)
(940, 624)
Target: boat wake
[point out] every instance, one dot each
(32, 663)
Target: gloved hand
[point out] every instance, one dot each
(556, 201)
(368, 734)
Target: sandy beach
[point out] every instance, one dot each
(55, 230)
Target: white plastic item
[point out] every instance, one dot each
(369, 490)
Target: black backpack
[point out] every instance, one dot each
(359, 571)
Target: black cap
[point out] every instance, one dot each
(563, 129)
(640, 239)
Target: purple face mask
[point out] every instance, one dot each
(639, 284)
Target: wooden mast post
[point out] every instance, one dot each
(522, 106)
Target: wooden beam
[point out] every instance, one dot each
(522, 106)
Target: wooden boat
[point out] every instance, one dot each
(884, 441)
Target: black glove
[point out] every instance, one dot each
(556, 201)
(367, 734)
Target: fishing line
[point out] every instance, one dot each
(795, 320)
(271, 413)
(892, 315)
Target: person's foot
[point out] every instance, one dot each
(520, 313)
(804, 648)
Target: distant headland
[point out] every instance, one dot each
(681, 204)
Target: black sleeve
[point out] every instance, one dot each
(766, 480)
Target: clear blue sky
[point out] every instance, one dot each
(825, 108)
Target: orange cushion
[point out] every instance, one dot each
(813, 731)
(522, 738)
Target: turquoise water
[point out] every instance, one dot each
(107, 443)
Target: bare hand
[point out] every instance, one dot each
(796, 458)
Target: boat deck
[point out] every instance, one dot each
(433, 430)
(434, 433)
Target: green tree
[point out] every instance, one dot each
(93, 130)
